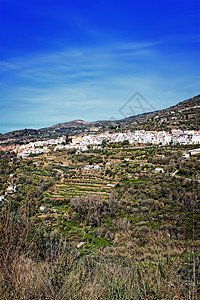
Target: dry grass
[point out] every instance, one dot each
(39, 265)
(96, 278)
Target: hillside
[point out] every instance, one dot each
(120, 228)
(114, 220)
(184, 115)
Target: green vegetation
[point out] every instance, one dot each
(120, 231)
(37, 264)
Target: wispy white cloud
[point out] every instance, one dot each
(89, 83)
(4, 65)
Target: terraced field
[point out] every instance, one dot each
(81, 186)
(72, 180)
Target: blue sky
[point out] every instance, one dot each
(62, 60)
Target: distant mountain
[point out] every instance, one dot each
(75, 124)
(184, 115)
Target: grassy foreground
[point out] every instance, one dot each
(35, 264)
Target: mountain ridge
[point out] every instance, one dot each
(180, 115)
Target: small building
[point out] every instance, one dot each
(159, 170)
(1, 198)
(11, 189)
(39, 163)
(43, 208)
(186, 155)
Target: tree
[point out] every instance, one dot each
(68, 140)
(190, 201)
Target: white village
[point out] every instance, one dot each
(82, 142)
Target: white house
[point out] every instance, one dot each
(159, 170)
